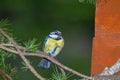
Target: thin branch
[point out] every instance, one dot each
(62, 71)
(41, 54)
(23, 48)
(2, 38)
(22, 56)
(12, 71)
(3, 74)
(11, 45)
(8, 49)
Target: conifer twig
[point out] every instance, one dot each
(22, 55)
(4, 74)
(41, 54)
(38, 53)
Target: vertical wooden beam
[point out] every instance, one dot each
(106, 43)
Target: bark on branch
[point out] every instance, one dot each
(112, 77)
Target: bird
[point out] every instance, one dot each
(52, 46)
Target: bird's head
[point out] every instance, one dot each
(56, 35)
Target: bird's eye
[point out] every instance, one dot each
(56, 33)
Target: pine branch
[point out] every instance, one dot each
(62, 71)
(3, 74)
(41, 54)
(37, 54)
(21, 55)
(11, 45)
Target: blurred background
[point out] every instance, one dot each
(36, 18)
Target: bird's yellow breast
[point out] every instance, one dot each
(51, 44)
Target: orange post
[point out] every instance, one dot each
(106, 43)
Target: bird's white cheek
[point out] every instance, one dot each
(53, 36)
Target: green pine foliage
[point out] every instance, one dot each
(24, 67)
(57, 75)
(4, 23)
(30, 46)
(4, 56)
(88, 1)
(6, 67)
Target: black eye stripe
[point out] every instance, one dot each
(56, 33)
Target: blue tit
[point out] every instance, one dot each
(53, 44)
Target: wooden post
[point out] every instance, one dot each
(106, 43)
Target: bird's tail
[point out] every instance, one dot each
(44, 63)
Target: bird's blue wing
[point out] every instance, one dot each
(54, 52)
(45, 41)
